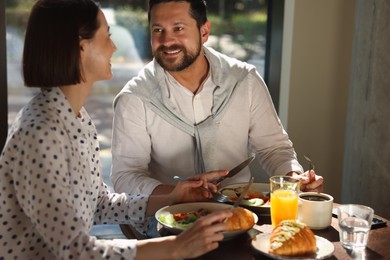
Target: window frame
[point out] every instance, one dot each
(273, 49)
(272, 69)
(3, 78)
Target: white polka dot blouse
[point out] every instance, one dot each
(51, 187)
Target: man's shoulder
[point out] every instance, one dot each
(227, 69)
(144, 84)
(226, 60)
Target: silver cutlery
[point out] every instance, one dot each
(243, 193)
(311, 165)
(235, 170)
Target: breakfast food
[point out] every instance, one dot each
(242, 219)
(252, 198)
(183, 219)
(190, 217)
(292, 238)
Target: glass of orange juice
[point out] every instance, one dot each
(284, 198)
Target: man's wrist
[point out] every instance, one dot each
(162, 189)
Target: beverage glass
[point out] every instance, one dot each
(355, 224)
(284, 198)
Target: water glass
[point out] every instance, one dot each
(284, 198)
(355, 224)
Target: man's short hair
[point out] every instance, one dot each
(198, 9)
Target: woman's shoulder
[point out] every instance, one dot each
(35, 119)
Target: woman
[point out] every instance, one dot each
(50, 174)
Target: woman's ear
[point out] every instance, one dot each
(82, 44)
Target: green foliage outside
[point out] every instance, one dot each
(240, 25)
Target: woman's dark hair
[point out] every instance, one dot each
(51, 55)
(198, 9)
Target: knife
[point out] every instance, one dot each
(235, 170)
(243, 194)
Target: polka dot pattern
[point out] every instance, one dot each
(51, 188)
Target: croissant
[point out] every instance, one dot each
(242, 219)
(292, 238)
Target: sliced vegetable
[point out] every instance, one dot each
(183, 219)
(256, 202)
(261, 199)
(186, 218)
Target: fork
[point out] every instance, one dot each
(217, 196)
(311, 166)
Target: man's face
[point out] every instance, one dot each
(175, 38)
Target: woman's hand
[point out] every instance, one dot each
(310, 181)
(203, 236)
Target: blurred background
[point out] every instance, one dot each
(238, 30)
(326, 64)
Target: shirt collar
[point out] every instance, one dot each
(207, 83)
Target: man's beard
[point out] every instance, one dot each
(185, 62)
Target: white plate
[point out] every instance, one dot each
(255, 187)
(324, 248)
(187, 207)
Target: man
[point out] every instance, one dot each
(193, 110)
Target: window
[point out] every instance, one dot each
(250, 30)
(3, 80)
(239, 29)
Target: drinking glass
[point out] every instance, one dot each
(284, 198)
(355, 224)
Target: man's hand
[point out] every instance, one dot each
(209, 176)
(310, 181)
(196, 188)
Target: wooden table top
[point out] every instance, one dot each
(240, 248)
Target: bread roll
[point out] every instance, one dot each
(242, 219)
(292, 238)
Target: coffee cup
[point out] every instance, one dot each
(315, 209)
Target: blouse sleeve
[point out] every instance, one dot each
(58, 199)
(121, 208)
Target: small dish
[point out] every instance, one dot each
(325, 248)
(194, 206)
(263, 188)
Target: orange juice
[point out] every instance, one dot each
(284, 205)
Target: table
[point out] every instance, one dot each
(240, 248)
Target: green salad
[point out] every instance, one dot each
(182, 220)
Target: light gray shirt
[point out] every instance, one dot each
(150, 144)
